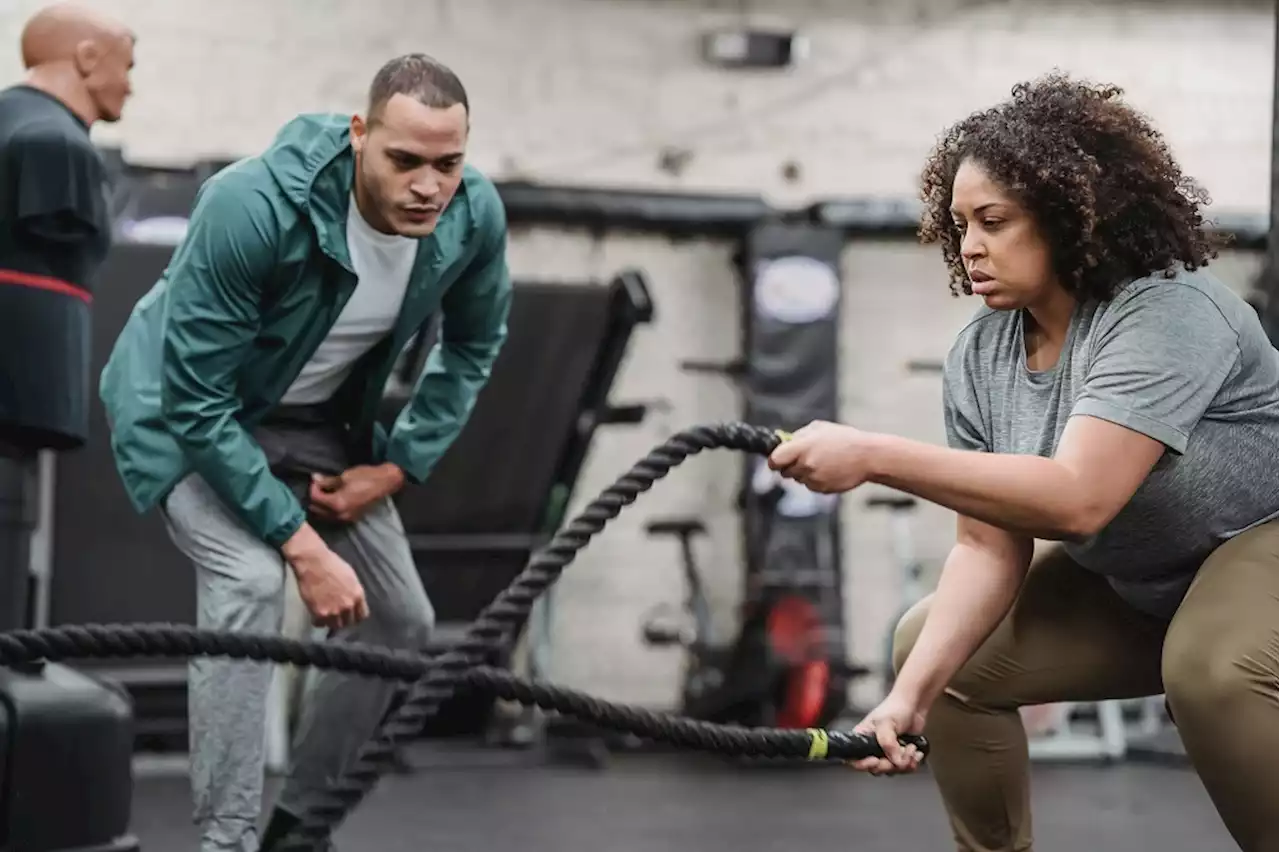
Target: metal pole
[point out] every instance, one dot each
(18, 484)
(1265, 296)
(1275, 126)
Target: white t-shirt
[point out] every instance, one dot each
(382, 263)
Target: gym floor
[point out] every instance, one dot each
(463, 799)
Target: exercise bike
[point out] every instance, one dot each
(911, 583)
(777, 672)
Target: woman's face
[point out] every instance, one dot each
(1004, 253)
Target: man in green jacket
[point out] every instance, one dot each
(243, 392)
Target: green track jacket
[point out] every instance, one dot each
(249, 294)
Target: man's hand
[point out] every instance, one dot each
(826, 457)
(346, 497)
(327, 584)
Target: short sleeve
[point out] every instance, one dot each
(1158, 361)
(59, 180)
(961, 415)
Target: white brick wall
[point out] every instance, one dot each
(589, 91)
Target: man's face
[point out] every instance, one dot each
(106, 75)
(408, 164)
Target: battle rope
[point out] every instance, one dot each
(85, 641)
(460, 664)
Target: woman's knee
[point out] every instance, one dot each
(907, 632)
(1221, 647)
(974, 684)
(1205, 676)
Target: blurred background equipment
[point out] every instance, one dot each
(502, 490)
(787, 666)
(66, 780)
(1263, 295)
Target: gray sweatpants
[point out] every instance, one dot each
(240, 587)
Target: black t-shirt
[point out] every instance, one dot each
(55, 230)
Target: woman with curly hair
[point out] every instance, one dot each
(1113, 398)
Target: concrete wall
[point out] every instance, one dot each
(592, 91)
(589, 91)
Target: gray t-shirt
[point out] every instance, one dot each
(1184, 361)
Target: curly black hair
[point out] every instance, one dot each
(1098, 179)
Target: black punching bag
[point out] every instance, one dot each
(66, 762)
(791, 305)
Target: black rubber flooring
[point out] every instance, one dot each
(468, 800)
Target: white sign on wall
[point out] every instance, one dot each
(795, 290)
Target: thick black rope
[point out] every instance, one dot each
(461, 663)
(88, 641)
(508, 609)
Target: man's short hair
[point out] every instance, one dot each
(417, 76)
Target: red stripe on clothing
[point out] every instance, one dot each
(44, 282)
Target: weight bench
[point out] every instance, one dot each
(502, 489)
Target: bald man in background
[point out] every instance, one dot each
(54, 232)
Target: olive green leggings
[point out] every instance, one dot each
(1069, 637)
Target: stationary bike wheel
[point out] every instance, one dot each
(794, 632)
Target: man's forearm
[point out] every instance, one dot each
(303, 543)
(1026, 494)
(393, 476)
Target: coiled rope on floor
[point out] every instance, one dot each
(436, 679)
